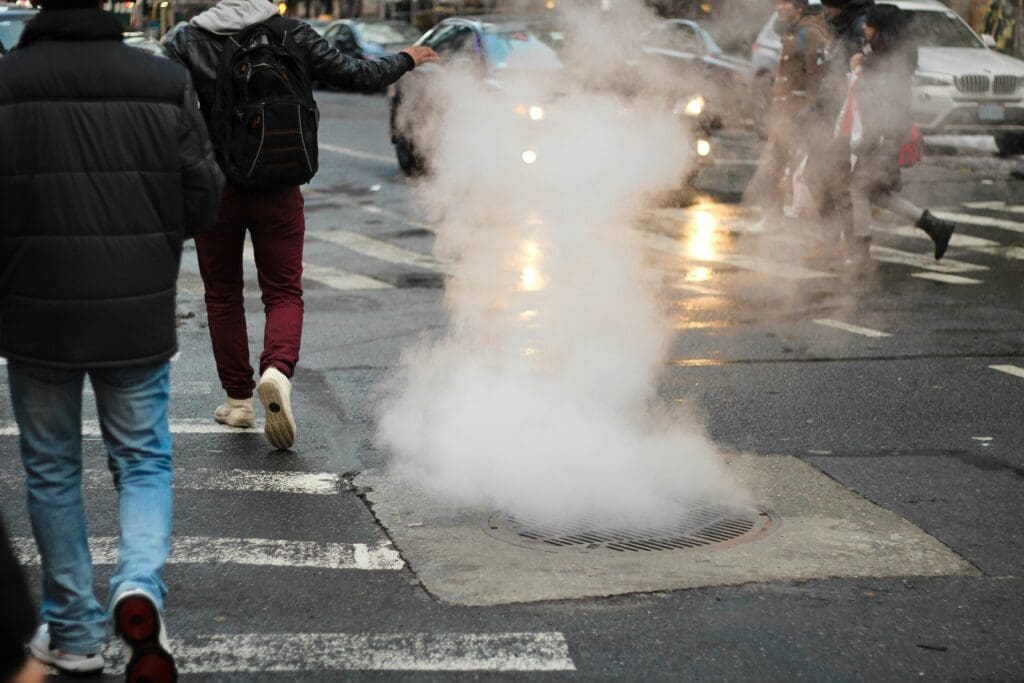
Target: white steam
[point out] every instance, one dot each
(541, 398)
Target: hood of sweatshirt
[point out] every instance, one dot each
(231, 16)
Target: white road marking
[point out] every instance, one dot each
(783, 270)
(334, 278)
(203, 479)
(356, 153)
(186, 426)
(320, 652)
(1009, 370)
(923, 261)
(855, 329)
(995, 206)
(3, 361)
(947, 278)
(258, 552)
(984, 221)
(697, 289)
(959, 239)
(340, 279)
(378, 249)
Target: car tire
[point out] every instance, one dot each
(1010, 143)
(409, 160)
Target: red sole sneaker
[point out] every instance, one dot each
(137, 621)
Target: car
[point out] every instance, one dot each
(962, 86)
(689, 49)
(491, 47)
(368, 39)
(12, 22)
(149, 45)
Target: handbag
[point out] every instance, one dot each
(912, 148)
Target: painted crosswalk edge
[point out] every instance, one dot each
(187, 426)
(1009, 370)
(318, 652)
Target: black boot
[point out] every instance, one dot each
(939, 230)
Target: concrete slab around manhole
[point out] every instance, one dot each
(825, 531)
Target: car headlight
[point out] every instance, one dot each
(691, 107)
(703, 148)
(932, 78)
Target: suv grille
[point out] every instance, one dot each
(974, 84)
(1005, 85)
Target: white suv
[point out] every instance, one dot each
(961, 87)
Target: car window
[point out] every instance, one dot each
(329, 33)
(385, 34)
(941, 29)
(518, 50)
(458, 39)
(10, 30)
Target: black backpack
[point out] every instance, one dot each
(264, 120)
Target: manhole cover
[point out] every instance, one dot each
(696, 525)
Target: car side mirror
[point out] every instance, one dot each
(989, 41)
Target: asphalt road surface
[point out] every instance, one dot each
(905, 385)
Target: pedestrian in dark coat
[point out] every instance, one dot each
(881, 98)
(274, 218)
(18, 622)
(105, 168)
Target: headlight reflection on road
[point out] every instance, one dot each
(530, 277)
(529, 156)
(700, 243)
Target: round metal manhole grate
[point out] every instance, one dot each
(698, 525)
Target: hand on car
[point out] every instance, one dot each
(421, 54)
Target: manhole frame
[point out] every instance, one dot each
(494, 528)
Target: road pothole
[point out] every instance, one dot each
(696, 526)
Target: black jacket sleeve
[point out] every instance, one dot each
(201, 179)
(19, 615)
(330, 65)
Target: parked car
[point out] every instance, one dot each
(12, 23)
(492, 46)
(140, 41)
(961, 87)
(368, 39)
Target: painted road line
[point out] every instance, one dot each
(377, 211)
(947, 278)
(383, 251)
(995, 206)
(959, 239)
(3, 361)
(334, 278)
(186, 426)
(1009, 370)
(266, 653)
(984, 221)
(203, 479)
(778, 269)
(855, 329)
(255, 552)
(357, 153)
(697, 289)
(922, 261)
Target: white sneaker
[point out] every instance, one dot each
(138, 623)
(82, 665)
(275, 392)
(235, 412)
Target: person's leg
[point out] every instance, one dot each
(220, 264)
(132, 406)
(277, 236)
(48, 408)
(278, 232)
(900, 206)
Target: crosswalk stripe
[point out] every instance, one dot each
(947, 278)
(960, 241)
(995, 206)
(923, 261)
(325, 275)
(1009, 370)
(257, 552)
(319, 652)
(984, 221)
(382, 250)
(756, 264)
(355, 153)
(208, 479)
(183, 426)
(855, 329)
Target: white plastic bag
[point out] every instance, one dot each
(803, 199)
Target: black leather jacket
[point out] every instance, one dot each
(200, 51)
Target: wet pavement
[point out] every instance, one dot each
(904, 384)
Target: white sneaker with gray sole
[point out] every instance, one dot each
(77, 665)
(235, 412)
(275, 391)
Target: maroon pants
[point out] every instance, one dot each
(277, 224)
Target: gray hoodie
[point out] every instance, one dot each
(231, 16)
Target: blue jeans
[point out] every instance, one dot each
(132, 407)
